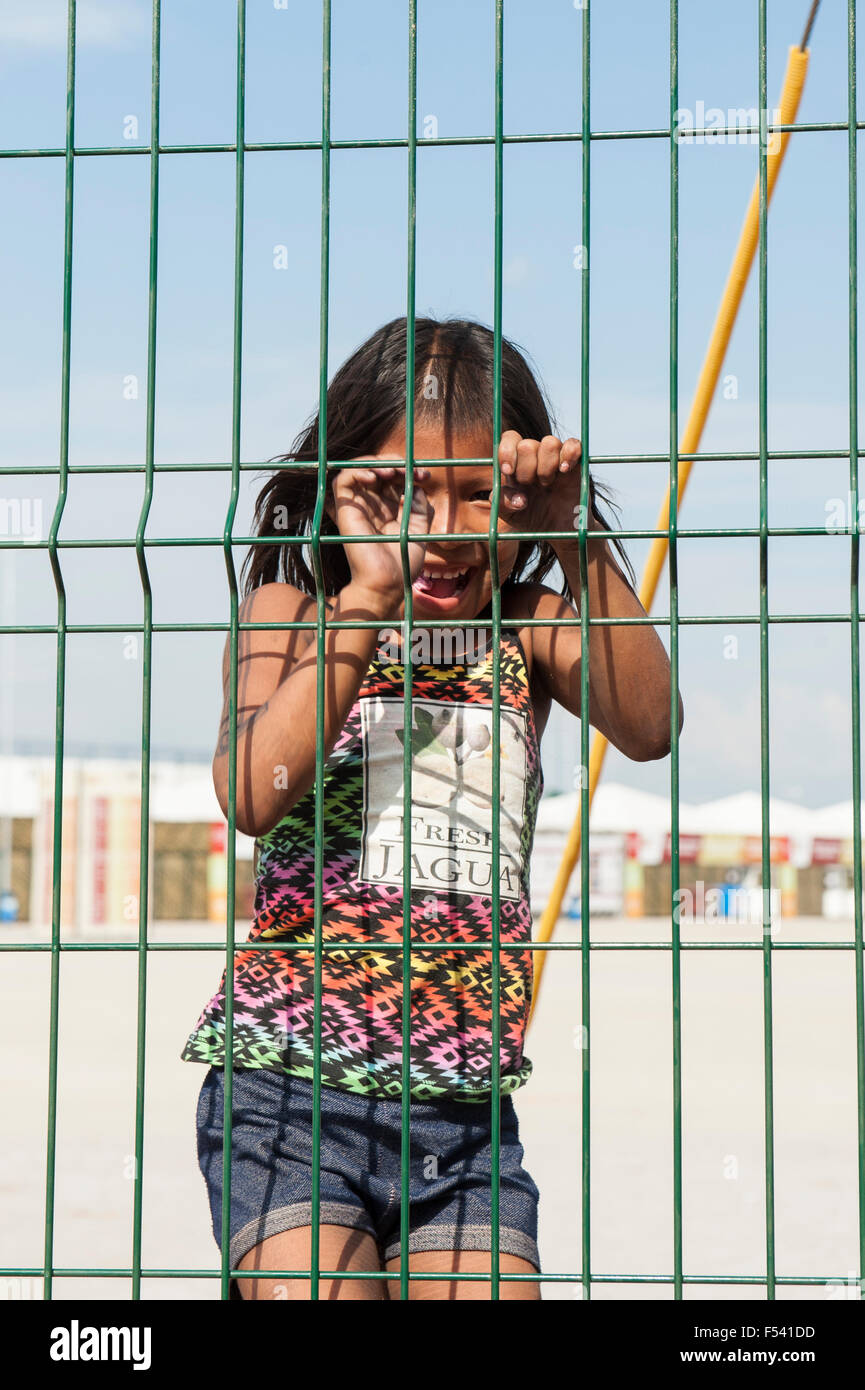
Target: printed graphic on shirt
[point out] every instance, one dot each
(345, 1007)
(451, 796)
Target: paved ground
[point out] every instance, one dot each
(631, 1114)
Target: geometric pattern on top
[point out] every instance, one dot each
(450, 891)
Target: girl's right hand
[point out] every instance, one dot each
(368, 502)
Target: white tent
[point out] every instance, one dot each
(20, 783)
(834, 822)
(742, 814)
(180, 793)
(615, 807)
(183, 793)
(620, 808)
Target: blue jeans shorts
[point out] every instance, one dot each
(449, 1173)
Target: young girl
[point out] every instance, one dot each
(362, 889)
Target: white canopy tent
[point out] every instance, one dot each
(182, 793)
(621, 809)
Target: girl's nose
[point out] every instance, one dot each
(444, 520)
(449, 518)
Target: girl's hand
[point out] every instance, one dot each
(540, 483)
(368, 501)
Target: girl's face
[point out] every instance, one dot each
(455, 580)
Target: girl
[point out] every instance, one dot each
(450, 1074)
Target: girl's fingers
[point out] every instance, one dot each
(420, 516)
(526, 470)
(508, 451)
(391, 470)
(387, 473)
(418, 472)
(516, 501)
(531, 460)
(549, 452)
(571, 453)
(380, 505)
(421, 512)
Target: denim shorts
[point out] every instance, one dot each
(449, 1168)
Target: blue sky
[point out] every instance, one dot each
(629, 267)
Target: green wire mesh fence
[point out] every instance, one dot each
(586, 1277)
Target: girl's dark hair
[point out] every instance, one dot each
(366, 404)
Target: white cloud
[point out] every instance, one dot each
(42, 23)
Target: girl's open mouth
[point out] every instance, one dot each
(443, 584)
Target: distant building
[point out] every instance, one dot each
(630, 849)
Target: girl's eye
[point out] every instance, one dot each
(483, 494)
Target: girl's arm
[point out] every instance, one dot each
(277, 678)
(277, 685)
(629, 670)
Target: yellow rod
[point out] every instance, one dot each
(794, 81)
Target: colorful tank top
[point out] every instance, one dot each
(362, 893)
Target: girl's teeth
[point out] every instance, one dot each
(443, 583)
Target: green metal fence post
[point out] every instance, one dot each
(766, 875)
(496, 616)
(853, 359)
(408, 668)
(147, 658)
(321, 640)
(585, 908)
(228, 543)
(673, 560)
(62, 493)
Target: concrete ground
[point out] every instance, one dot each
(631, 1113)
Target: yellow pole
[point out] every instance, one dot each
(794, 81)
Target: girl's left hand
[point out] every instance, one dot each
(540, 483)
